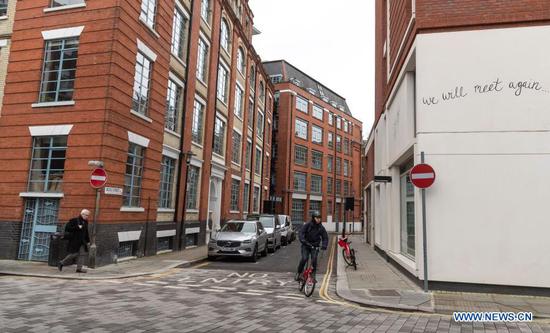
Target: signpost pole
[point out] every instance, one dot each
(93, 246)
(425, 241)
(98, 179)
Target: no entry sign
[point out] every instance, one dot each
(98, 179)
(422, 175)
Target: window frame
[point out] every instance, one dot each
(218, 141)
(299, 130)
(166, 183)
(48, 51)
(48, 170)
(133, 157)
(197, 125)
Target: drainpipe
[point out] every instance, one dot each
(183, 113)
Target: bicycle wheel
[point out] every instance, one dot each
(301, 283)
(309, 287)
(347, 258)
(352, 255)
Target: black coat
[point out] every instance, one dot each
(313, 234)
(75, 235)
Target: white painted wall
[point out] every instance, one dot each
(488, 216)
(394, 141)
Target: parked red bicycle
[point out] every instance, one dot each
(347, 251)
(306, 281)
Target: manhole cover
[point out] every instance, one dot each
(383, 292)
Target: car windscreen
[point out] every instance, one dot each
(267, 221)
(239, 227)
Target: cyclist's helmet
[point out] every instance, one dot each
(316, 214)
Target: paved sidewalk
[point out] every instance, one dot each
(131, 268)
(378, 283)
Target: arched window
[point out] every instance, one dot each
(240, 60)
(224, 35)
(252, 78)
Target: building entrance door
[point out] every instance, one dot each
(39, 222)
(215, 202)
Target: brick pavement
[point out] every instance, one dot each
(375, 276)
(152, 304)
(136, 267)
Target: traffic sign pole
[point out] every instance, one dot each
(98, 179)
(424, 232)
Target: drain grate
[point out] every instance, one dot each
(383, 292)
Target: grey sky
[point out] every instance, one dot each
(332, 41)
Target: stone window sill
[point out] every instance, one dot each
(67, 7)
(52, 104)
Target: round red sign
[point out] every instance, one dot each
(422, 175)
(98, 178)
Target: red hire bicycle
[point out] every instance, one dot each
(307, 282)
(347, 251)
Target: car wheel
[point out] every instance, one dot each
(254, 256)
(271, 250)
(264, 252)
(284, 241)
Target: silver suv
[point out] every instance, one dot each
(273, 228)
(288, 234)
(239, 238)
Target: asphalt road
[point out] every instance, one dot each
(285, 259)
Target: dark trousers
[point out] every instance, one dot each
(306, 252)
(76, 256)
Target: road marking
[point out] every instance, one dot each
(259, 291)
(156, 282)
(143, 284)
(191, 285)
(289, 297)
(294, 295)
(113, 281)
(247, 293)
(214, 290)
(176, 287)
(201, 265)
(225, 288)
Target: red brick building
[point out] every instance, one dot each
(316, 148)
(164, 93)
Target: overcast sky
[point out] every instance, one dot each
(332, 41)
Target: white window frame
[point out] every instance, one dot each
(302, 101)
(299, 133)
(222, 91)
(318, 112)
(202, 67)
(316, 137)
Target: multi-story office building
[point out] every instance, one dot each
(466, 83)
(316, 149)
(169, 95)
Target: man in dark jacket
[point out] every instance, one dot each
(76, 231)
(312, 235)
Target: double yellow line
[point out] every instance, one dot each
(323, 290)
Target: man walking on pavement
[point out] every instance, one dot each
(76, 231)
(311, 235)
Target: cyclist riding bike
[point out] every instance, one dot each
(312, 235)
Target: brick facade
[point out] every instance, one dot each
(284, 137)
(102, 120)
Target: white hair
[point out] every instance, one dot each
(84, 211)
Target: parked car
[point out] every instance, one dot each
(288, 233)
(272, 227)
(239, 238)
